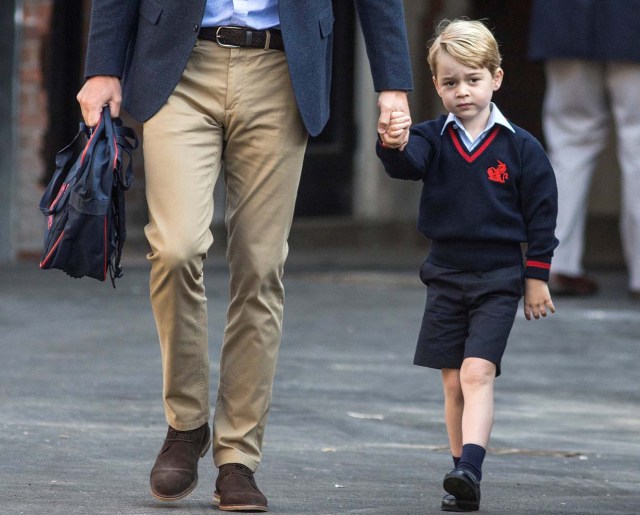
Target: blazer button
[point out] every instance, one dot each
(196, 28)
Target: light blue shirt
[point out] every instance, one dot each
(495, 117)
(257, 14)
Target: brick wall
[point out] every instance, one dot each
(32, 118)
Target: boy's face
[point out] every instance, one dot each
(465, 91)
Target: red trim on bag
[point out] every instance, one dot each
(55, 246)
(63, 188)
(539, 264)
(115, 147)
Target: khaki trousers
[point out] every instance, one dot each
(233, 110)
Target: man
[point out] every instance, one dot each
(592, 66)
(239, 84)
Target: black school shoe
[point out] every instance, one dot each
(465, 488)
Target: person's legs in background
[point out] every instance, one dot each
(622, 84)
(576, 123)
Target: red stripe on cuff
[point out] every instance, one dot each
(539, 264)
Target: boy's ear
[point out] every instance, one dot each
(497, 79)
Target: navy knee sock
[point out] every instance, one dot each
(472, 458)
(456, 461)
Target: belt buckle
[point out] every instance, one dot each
(225, 45)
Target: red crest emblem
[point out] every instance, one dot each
(498, 173)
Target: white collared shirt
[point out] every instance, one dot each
(257, 14)
(495, 117)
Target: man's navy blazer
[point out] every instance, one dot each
(147, 44)
(592, 30)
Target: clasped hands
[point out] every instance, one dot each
(397, 134)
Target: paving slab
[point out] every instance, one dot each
(354, 427)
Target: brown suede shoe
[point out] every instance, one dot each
(566, 285)
(175, 473)
(236, 490)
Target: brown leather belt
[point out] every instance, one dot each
(243, 37)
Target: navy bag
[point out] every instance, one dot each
(84, 202)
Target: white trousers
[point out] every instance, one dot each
(584, 100)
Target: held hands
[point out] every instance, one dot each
(397, 134)
(537, 299)
(97, 92)
(395, 120)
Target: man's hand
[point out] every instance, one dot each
(397, 134)
(388, 102)
(97, 92)
(537, 299)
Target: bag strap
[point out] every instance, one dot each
(64, 155)
(65, 172)
(127, 142)
(120, 226)
(122, 142)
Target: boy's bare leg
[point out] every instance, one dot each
(463, 483)
(453, 408)
(476, 378)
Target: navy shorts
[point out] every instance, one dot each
(468, 314)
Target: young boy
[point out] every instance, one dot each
(487, 187)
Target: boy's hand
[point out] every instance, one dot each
(397, 133)
(537, 299)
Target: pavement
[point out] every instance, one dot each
(354, 428)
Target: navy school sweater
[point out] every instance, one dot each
(477, 207)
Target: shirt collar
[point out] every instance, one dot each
(495, 117)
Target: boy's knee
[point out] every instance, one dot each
(477, 372)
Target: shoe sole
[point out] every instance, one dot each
(181, 495)
(184, 493)
(458, 509)
(466, 499)
(237, 507)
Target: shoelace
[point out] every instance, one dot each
(241, 470)
(179, 436)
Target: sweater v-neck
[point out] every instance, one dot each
(470, 157)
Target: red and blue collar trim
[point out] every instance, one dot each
(470, 158)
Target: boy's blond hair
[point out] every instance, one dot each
(468, 42)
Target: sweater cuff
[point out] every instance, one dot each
(537, 269)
